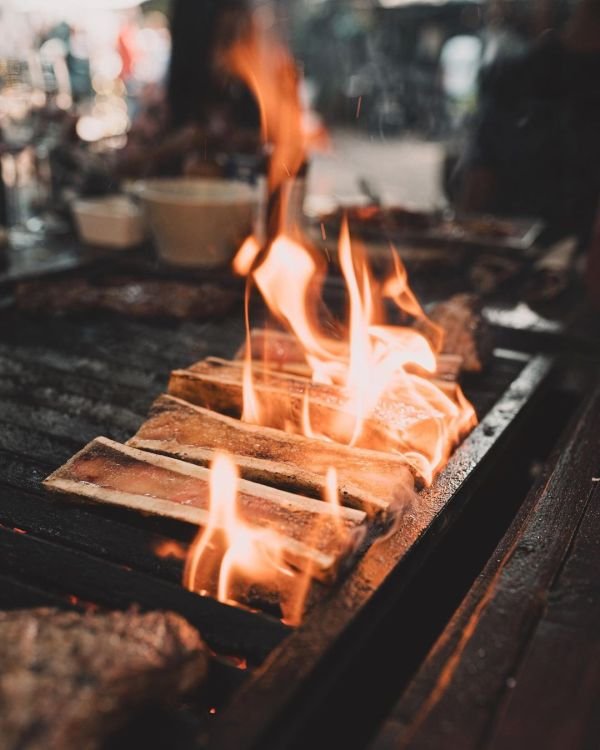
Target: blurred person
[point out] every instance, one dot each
(535, 147)
(200, 111)
(127, 46)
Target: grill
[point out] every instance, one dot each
(64, 381)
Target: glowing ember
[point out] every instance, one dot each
(170, 549)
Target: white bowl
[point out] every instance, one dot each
(198, 222)
(111, 221)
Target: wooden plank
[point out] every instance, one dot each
(154, 544)
(217, 384)
(111, 473)
(367, 480)
(454, 698)
(554, 700)
(376, 583)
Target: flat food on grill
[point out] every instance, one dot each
(466, 332)
(143, 298)
(69, 680)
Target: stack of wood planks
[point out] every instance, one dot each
(164, 468)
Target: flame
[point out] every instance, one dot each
(229, 549)
(371, 383)
(397, 289)
(245, 256)
(377, 368)
(230, 556)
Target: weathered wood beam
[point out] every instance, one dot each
(108, 472)
(367, 480)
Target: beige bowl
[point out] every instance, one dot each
(110, 221)
(198, 222)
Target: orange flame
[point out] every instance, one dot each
(230, 556)
(245, 256)
(362, 388)
(373, 363)
(229, 548)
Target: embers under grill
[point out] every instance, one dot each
(64, 383)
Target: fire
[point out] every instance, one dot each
(375, 367)
(246, 256)
(231, 558)
(380, 370)
(370, 383)
(262, 61)
(229, 548)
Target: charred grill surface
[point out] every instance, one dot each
(64, 381)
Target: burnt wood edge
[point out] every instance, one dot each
(227, 629)
(452, 700)
(299, 672)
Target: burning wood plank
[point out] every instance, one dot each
(400, 425)
(108, 472)
(72, 680)
(282, 351)
(367, 480)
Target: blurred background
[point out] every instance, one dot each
(419, 105)
(387, 77)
